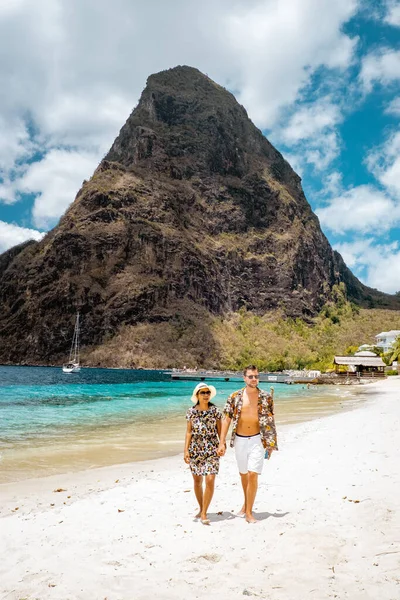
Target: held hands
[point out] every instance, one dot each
(186, 457)
(221, 449)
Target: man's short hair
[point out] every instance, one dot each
(249, 368)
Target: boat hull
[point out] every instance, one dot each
(71, 369)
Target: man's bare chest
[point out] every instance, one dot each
(249, 410)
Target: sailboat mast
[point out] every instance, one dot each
(74, 353)
(73, 364)
(76, 349)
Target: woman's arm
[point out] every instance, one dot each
(222, 435)
(219, 427)
(188, 438)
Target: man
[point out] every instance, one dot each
(253, 434)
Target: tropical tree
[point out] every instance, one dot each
(396, 350)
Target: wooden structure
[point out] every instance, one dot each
(361, 366)
(225, 376)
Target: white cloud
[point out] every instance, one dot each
(393, 108)
(318, 151)
(75, 69)
(332, 184)
(384, 163)
(11, 235)
(365, 251)
(75, 120)
(322, 150)
(15, 143)
(310, 120)
(382, 66)
(381, 262)
(384, 274)
(252, 46)
(56, 179)
(311, 132)
(7, 8)
(363, 209)
(7, 192)
(277, 47)
(393, 13)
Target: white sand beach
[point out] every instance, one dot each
(328, 508)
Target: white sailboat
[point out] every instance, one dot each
(72, 365)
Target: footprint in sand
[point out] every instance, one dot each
(114, 563)
(211, 558)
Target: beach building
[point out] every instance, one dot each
(365, 347)
(365, 364)
(386, 339)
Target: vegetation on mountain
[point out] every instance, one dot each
(271, 341)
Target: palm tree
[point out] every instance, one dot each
(396, 352)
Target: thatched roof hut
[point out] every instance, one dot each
(360, 364)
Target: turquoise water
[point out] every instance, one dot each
(40, 402)
(101, 416)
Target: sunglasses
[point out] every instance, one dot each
(208, 392)
(253, 376)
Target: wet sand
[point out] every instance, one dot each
(92, 448)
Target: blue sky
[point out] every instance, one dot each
(320, 78)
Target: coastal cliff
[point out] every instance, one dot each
(191, 215)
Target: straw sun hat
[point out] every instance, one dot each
(203, 386)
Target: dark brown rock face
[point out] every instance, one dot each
(192, 207)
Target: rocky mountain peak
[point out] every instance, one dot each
(192, 215)
(185, 125)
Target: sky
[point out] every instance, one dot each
(321, 79)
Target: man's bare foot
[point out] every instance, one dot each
(251, 519)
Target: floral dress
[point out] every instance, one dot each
(204, 459)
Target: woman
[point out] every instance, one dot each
(201, 443)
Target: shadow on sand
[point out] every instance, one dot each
(228, 516)
(265, 515)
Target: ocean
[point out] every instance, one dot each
(54, 422)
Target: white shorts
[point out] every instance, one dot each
(249, 454)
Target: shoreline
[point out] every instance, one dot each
(327, 503)
(139, 466)
(139, 441)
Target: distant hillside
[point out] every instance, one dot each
(272, 341)
(193, 216)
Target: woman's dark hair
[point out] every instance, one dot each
(209, 404)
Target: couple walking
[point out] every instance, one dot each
(251, 412)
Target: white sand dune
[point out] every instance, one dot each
(329, 525)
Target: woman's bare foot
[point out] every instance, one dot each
(251, 519)
(204, 519)
(242, 512)
(197, 515)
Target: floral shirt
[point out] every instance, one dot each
(233, 408)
